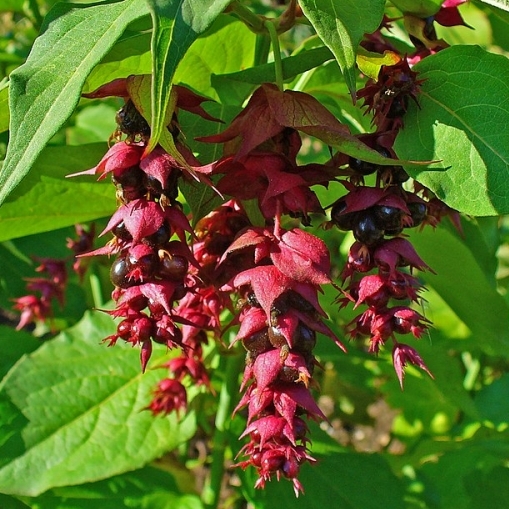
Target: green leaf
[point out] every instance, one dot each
(84, 403)
(341, 26)
(214, 54)
(501, 4)
(4, 107)
(12, 5)
(342, 480)
(46, 200)
(454, 474)
(451, 124)
(493, 403)
(45, 90)
(483, 309)
(227, 85)
(14, 344)
(148, 488)
(177, 24)
(420, 8)
(128, 56)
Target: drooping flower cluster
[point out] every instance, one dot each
(279, 321)
(154, 264)
(278, 274)
(36, 307)
(379, 273)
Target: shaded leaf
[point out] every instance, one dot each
(451, 125)
(46, 201)
(489, 322)
(342, 26)
(83, 405)
(43, 94)
(341, 480)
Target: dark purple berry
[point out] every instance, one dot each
(343, 220)
(366, 229)
(257, 343)
(362, 167)
(131, 122)
(143, 266)
(122, 232)
(173, 268)
(304, 339)
(119, 274)
(160, 237)
(418, 212)
(398, 106)
(387, 217)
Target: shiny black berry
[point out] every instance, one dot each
(143, 266)
(131, 122)
(398, 106)
(362, 167)
(173, 268)
(257, 343)
(122, 232)
(304, 339)
(160, 237)
(387, 217)
(418, 212)
(118, 273)
(366, 229)
(344, 221)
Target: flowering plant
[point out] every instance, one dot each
(268, 239)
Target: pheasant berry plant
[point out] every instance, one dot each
(300, 254)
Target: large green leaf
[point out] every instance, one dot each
(46, 201)
(342, 25)
(45, 90)
(148, 488)
(462, 120)
(177, 24)
(83, 406)
(214, 54)
(421, 8)
(465, 287)
(228, 85)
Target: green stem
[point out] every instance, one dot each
(95, 286)
(32, 12)
(274, 39)
(230, 365)
(252, 20)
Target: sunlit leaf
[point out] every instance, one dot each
(451, 124)
(176, 26)
(43, 94)
(83, 406)
(341, 26)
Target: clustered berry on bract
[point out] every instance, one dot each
(173, 281)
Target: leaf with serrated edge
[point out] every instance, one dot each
(176, 26)
(45, 90)
(83, 403)
(341, 26)
(462, 121)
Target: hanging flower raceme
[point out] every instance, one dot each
(278, 324)
(150, 231)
